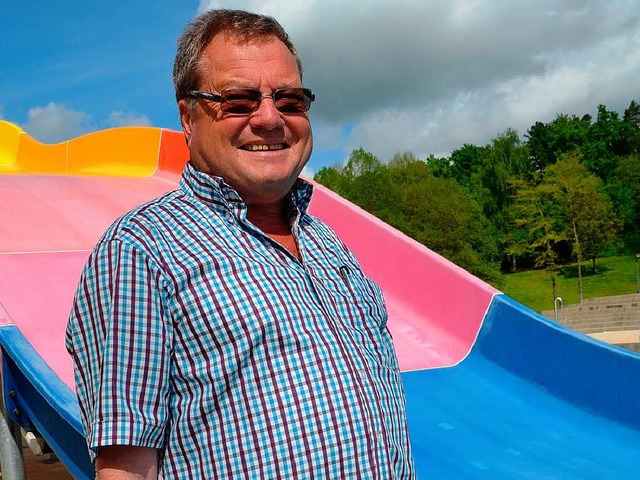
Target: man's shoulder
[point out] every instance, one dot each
(311, 221)
(145, 220)
(322, 230)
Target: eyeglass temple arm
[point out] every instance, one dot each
(212, 97)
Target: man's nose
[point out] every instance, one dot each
(267, 115)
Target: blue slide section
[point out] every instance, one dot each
(36, 398)
(533, 400)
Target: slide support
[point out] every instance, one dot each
(10, 446)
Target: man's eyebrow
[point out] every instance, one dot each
(238, 84)
(246, 83)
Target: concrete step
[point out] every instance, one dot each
(604, 314)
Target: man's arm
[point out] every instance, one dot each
(125, 462)
(118, 311)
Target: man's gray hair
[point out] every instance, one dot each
(203, 29)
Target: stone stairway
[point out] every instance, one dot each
(600, 317)
(604, 314)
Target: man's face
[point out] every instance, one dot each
(260, 154)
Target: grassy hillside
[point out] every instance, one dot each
(616, 276)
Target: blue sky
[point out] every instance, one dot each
(425, 76)
(94, 64)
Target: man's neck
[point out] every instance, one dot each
(272, 219)
(269, 217)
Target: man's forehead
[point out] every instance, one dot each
(223, 48)
(226, 56)
(241, 39)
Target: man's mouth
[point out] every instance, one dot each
(264, 147)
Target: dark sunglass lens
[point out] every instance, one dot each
(240, 100)
(292, 100)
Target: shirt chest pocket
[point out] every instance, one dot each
(356, 307)
(363, 313)
(363, 299)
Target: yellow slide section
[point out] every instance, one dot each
(126, 151)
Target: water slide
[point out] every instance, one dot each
(494, 390)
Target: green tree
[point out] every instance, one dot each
(578, 196)
(506, 159)
(632, 115)
(437, 213)
(332, 178)
(493, 170)
(360, 163)
(609, 139)
(547, 141)
(624, 189)
(538, 228)
(360, 179)
(434, 211)
(465, 161)
(439, 166)
(632, 118)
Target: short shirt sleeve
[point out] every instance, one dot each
(120, 338)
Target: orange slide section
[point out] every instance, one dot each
(124, 152)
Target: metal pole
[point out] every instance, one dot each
(637, 274)
(556, 301)
(10, 446)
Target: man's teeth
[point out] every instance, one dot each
(255, 148)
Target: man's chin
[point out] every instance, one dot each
(266, 189)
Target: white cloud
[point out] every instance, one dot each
(127, 119)
(605, 73)
(56, 123)
(429, 76)
(308, 172)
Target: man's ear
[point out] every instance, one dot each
(186, 116)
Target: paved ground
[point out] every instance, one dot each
(618, 338)
(43, 468)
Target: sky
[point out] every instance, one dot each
(425, 76)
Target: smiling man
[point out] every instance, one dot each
(221, 331)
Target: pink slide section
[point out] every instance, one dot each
(55, 209)
(434, 322)
(48, 227)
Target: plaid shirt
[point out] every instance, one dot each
(194, 333)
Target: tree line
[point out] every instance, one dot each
(568, 192)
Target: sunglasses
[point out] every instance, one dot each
(244, 101)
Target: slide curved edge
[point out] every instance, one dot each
(574, 367)
(123, 151)
(35, 397)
